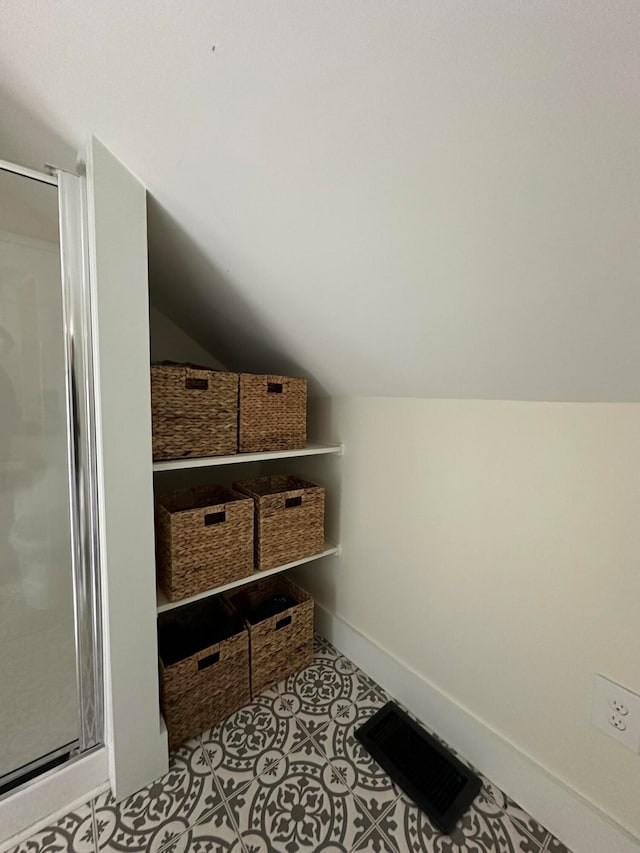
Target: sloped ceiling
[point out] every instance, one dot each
(433, 199)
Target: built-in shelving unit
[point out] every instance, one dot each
(312, 449)
(163, 604)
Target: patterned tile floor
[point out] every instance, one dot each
(286, 775)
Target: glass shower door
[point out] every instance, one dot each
(41, 523)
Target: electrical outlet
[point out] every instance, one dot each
(616, 711)
(619, 707)
(617, 722)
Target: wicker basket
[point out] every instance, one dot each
(204, 538)
(281, 644)
(273, 413)
(194, 411)
(289, 519)
(199, 690)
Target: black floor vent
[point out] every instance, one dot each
(425, 770)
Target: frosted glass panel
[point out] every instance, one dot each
(38, 690)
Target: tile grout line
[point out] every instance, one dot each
(203, 817)
(517, 822)
(311, 737)
(224, 799)
(211, 770)
(336, 770)
(247, 783)
(221, 792)
(521, 826)
(390, 841)
(235, 826)
(375, 824)
(174, 839)
(94, 825)
(364, 689)
(551, 838)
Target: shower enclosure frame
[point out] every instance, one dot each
(80, 391)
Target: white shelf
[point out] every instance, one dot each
(163, 605)
(312, 449)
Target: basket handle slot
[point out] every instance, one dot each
(196, 384)
(274, 387)
(282, 623)
(215, 518)
(204, 663)
(291, 502)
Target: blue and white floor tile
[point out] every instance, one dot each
(286, 774)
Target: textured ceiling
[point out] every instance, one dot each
(431, 199)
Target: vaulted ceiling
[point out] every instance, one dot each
(435, 199)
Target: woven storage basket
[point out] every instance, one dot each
(199, 690)
(273, 413)
(282, 644)
(194, 411)
(204, 538)
(289, 518)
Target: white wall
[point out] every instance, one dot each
(168, 342)
(493, 547)
(451, 185)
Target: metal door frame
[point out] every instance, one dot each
(81, 447)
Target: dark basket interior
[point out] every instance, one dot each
(256, 609)
(276, 484)
(197, 498)
(186, 630)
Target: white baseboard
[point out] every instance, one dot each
(46, 800)
(576, 822)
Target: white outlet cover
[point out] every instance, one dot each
(605, 693)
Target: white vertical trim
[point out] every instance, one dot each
(570, 817)
(118, 265)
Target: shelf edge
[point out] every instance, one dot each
(312, 449)
(162, 605)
